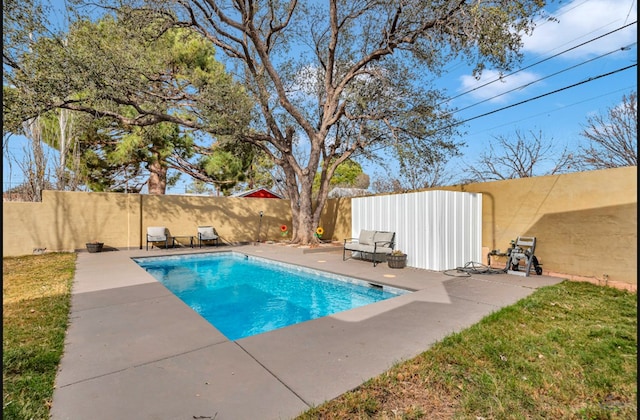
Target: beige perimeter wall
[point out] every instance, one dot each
(585, 223)
(65, 221)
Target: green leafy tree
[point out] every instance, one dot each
(199, 187)
(22, 22)
(234, 166)
(86, 151)
(141, 77)
(226, 169)
(349, 174)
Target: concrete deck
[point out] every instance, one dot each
(134, 351)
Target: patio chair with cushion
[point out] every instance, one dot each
(207, 234)
(157, 234)
(375, 244)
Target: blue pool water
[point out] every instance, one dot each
(242, 295)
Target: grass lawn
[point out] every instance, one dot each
(568, 351)
(36, 293)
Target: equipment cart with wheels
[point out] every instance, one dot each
(521, 259)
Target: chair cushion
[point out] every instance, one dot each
(384, 237)
(156, 233)
(366, 237)
(206, 233)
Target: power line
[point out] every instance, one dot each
(537, 63)
(556, 109)
(542, 20)
(548, 76)
(630, 9)
(590, 79)
(528, 84)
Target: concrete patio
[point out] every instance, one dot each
(135, 351)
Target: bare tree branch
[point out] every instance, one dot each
(524, 157)
(612, 139)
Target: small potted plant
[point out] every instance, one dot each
(94, 246)
(397, 259)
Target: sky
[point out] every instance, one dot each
(573, 68)
(571, 71)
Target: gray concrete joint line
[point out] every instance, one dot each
(275, 376)
(102, 397)
(477, 301)
(487, 280)
(168, 294)
(141, 364)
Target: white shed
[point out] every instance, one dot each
(438, 230)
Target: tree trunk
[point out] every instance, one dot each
(304, 224)
(63, 121)
(157, 178)
(35, 162)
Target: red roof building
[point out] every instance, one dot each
(258, 193)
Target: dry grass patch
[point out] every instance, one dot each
(36, 294)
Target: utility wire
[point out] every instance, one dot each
(542, 20)
(628, 47)
(630, 9)
(590, 79)
(506, 123)
(530, 83)
(536, 63)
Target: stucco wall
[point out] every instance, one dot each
(65, 221)
(585, 223)
(336, 219)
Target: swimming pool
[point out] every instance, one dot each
(243, 295)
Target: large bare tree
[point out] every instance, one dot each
(521, 157)
(340, 78)
(612, 139)
(333, 79)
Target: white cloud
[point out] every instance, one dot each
(580, 21)
(495, 87)
(577, 22)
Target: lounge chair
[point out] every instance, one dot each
(370, 242)
(207, 234)
(157, 234)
